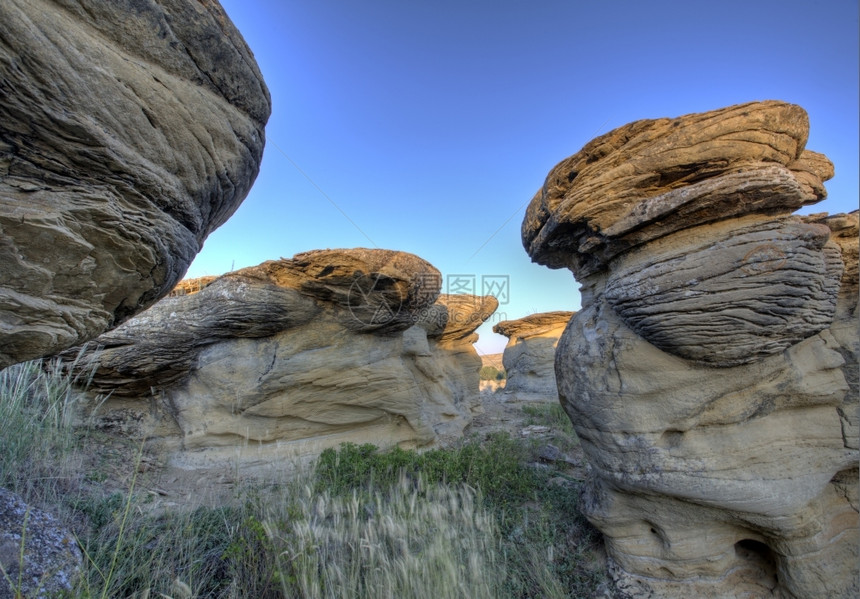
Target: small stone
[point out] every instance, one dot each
(550, 453)
(535, 430)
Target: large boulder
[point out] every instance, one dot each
(40, 557)
(711, 374)
(129, 131)
(529, 357)
(292, 356)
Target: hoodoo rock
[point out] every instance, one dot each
(128, 133)
(711, 374)
(529, 357)
(292, 356)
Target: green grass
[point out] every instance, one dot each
(479, 520)
(550, 414)
(38, 444)
(491, 373)
(545, 539)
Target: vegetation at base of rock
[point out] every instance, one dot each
(554, 416)
(483, 519)
(543, 535)
(491, 373)
(37, 443)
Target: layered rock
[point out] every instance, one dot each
(529, 357)
(711, 374)
(293, 356)
(127, 134)
(845, 233)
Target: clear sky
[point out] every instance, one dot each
(427, 126)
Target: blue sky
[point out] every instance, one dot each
(427, 126)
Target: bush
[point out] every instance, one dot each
(491, 373)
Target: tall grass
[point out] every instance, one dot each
(547, 545)
(414, 540)
(37, 441)
(477, 521)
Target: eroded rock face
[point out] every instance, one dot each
(711, 374)
(529, 357)
(128, 133)
(647, 179)
(292, 356)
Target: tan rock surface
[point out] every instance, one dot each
(652, 177)
(711, 374)
(127, 134)
(529, 357)
(292, 356)
(190, 286)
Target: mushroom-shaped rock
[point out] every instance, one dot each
(711, 374)
(650, 178)
(361, 290)
(449, 326)
(128, 133)
(529, 357)
(298, 355)
(456, 316)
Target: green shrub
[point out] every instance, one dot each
(490, 373)
(550, 414)
(496, 466)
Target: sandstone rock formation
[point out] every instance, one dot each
(128, 132)
(711, 374)
(51, 558)
(292, 356)
(529, 357)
